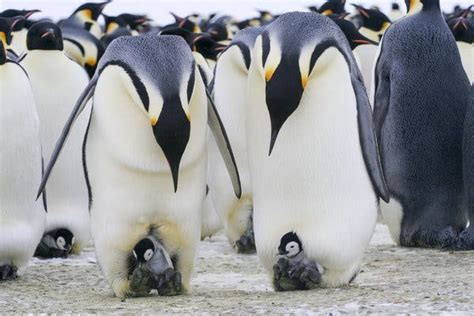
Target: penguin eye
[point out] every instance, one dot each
(148, 254)
(61, 242)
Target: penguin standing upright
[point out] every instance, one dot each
(312, 152)
(230, 85)
(22, 218)
(145, 157)
(18, 44)
(50, 70)
(463, 31)
(421, 96)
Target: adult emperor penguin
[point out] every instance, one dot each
(463, 31)
(421, 96)
(85, 17)
(82, 47)
(310, 136)
(145, 159)
(47, 66)
(22, 219)
(18, 44)
(230, 85)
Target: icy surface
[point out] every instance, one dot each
(393, 280)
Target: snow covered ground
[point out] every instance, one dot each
(392, 280)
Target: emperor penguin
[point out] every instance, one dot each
(312, 152)
(420, 100)
(375, 23)
(22, 219)
(82, 47)
(145, 160)
(463, 31)
(18, 44)
(230, 86)
(332, 7)
(85, 17)
(49, 68)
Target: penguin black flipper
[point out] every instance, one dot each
(381, 94)
(367, 135)
(222, 141)
(76, 111)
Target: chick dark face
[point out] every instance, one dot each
(64, 239)
(144, 250)
(44, 35)
(290, 245)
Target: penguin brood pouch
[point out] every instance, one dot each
(421, 97)
(313, 156)
(145, 158)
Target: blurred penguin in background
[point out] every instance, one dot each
(18, 44)
(57, 82)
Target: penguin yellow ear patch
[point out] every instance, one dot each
(87, 14)
(304, 81)
(327, 12)
(269, 73)
(3, 38)
(91, 62)
(153, 120)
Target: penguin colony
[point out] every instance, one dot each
(293, 133)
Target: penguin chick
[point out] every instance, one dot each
(55, 244)
(154, 268)
(290, 245)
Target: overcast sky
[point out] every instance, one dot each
(159, 9)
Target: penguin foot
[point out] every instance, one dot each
(141, 281)
(168, 283)
(291, 275)
(465, 241)
(429, 238)
(8, 272)
(246, 243)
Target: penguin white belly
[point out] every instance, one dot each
(19, 41)
(367, 55)
(132, 187)
(211, 222)
(57, 82)
(230, 98)
(315, 181)
(22, 218)
(467, 56)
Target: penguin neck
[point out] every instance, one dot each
(431, 6)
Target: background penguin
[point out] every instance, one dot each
(332, 7)
(146, 166)
(57, 82)
(230, 85)
(22, 219)
(463, 31)
(310, 137)
(375, 23)
(421, 96)
(85, 17)
(18, 44)
(82, 47)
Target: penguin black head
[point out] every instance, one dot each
(290, 245)
(134, 21)
(463, 29)
(10, 13)
(373, 19)
(113, 22)
(186, 24)
(144, 250)
(207, 47)
(332, 7)
(6, 27)
(90, 10)
(64, 239)
(44, 35)
(219, 32)
(352, 34)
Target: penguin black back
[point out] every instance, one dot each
(44, 35)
